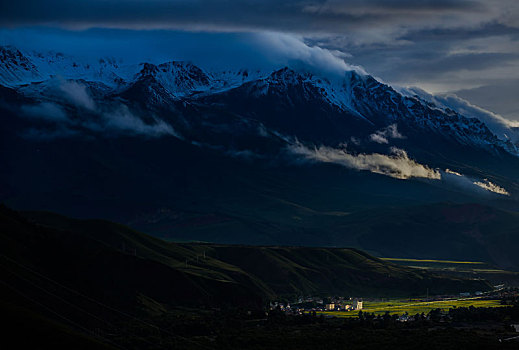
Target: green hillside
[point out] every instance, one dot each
(207, 273)
(103, 269)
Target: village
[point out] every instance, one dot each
(311, 304)
(405, 309)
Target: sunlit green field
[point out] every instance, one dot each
(434, 261)
(467, 269)
(413, 307)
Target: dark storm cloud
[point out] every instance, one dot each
(420, 65)
(358, 22)
(460, 33)
(294, 15)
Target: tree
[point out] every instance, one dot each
(361, 315)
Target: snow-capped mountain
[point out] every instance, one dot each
(179, 78)
(17, 68)
(423, 114)
(199, 103)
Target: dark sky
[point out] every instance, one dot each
(469, 46)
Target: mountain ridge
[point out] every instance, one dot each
(265, 154)
(352, 94)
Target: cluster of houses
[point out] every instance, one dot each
(356, 305)
(316, 304)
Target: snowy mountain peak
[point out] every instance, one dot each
(10, 55)
(15, 67)
(286, 74)
(148, 69)
(179, 79)
(351, 95)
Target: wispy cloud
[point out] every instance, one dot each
(459, 180)
(124, 121)
(382, 136)
(290, 49)
(397, 164)
(492, 187)
(77, 94)
(108, 120)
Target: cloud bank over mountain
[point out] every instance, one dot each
(261, 50)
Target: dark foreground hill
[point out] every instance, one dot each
(115, 263)
(94, 284)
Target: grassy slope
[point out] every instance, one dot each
(100, 269)
(269, 271)
(332, 271)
